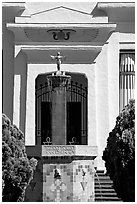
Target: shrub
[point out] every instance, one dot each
(119, 154)
(17, 169)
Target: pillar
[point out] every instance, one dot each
(58, 85)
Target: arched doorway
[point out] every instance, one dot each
(76, 110)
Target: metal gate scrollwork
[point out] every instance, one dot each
(76, 97)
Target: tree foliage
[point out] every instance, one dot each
(119, 154)
(17, 169)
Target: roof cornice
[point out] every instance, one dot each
(105, 5)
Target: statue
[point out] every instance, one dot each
(58, 59)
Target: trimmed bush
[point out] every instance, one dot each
(17, 169)
(119, 154)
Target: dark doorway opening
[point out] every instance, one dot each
(45, 122)
(74, 122)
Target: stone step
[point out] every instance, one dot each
(108, 199)
(102, 177)
(100, 171)
(98, 190)
(104, 182)
(104, 188)
(107, 194)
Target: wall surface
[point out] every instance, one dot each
(20, 80)
(8, 71)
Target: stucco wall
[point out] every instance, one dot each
(107, 87)
(102, 107)
(8, 71)
(113, 78)
(20, 76)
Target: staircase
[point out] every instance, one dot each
(104, 191)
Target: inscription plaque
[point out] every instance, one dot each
(69, 150)
(58, 150)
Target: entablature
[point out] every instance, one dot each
(87, 32)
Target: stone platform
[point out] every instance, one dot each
(64, 173)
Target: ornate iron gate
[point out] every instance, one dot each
(76, 94)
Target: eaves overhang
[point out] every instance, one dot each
(83, 54)
(12, 9)
(85, 32)
(14, 5)
(108, 5)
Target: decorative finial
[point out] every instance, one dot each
(58, 59)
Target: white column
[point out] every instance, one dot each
(121, 92)
(16, 100)
(92, 137)
(127, 84)
(102, 104)
(30, 109)
(113, 78)
(132, 78)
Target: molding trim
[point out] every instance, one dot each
(110, 26)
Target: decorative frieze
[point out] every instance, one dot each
(56, 150)
(69, 150)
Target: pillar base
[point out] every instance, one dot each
(66, 172)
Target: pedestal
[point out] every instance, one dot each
(65, 173)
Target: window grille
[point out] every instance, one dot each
(127, 77)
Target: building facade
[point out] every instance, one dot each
(97, 45)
